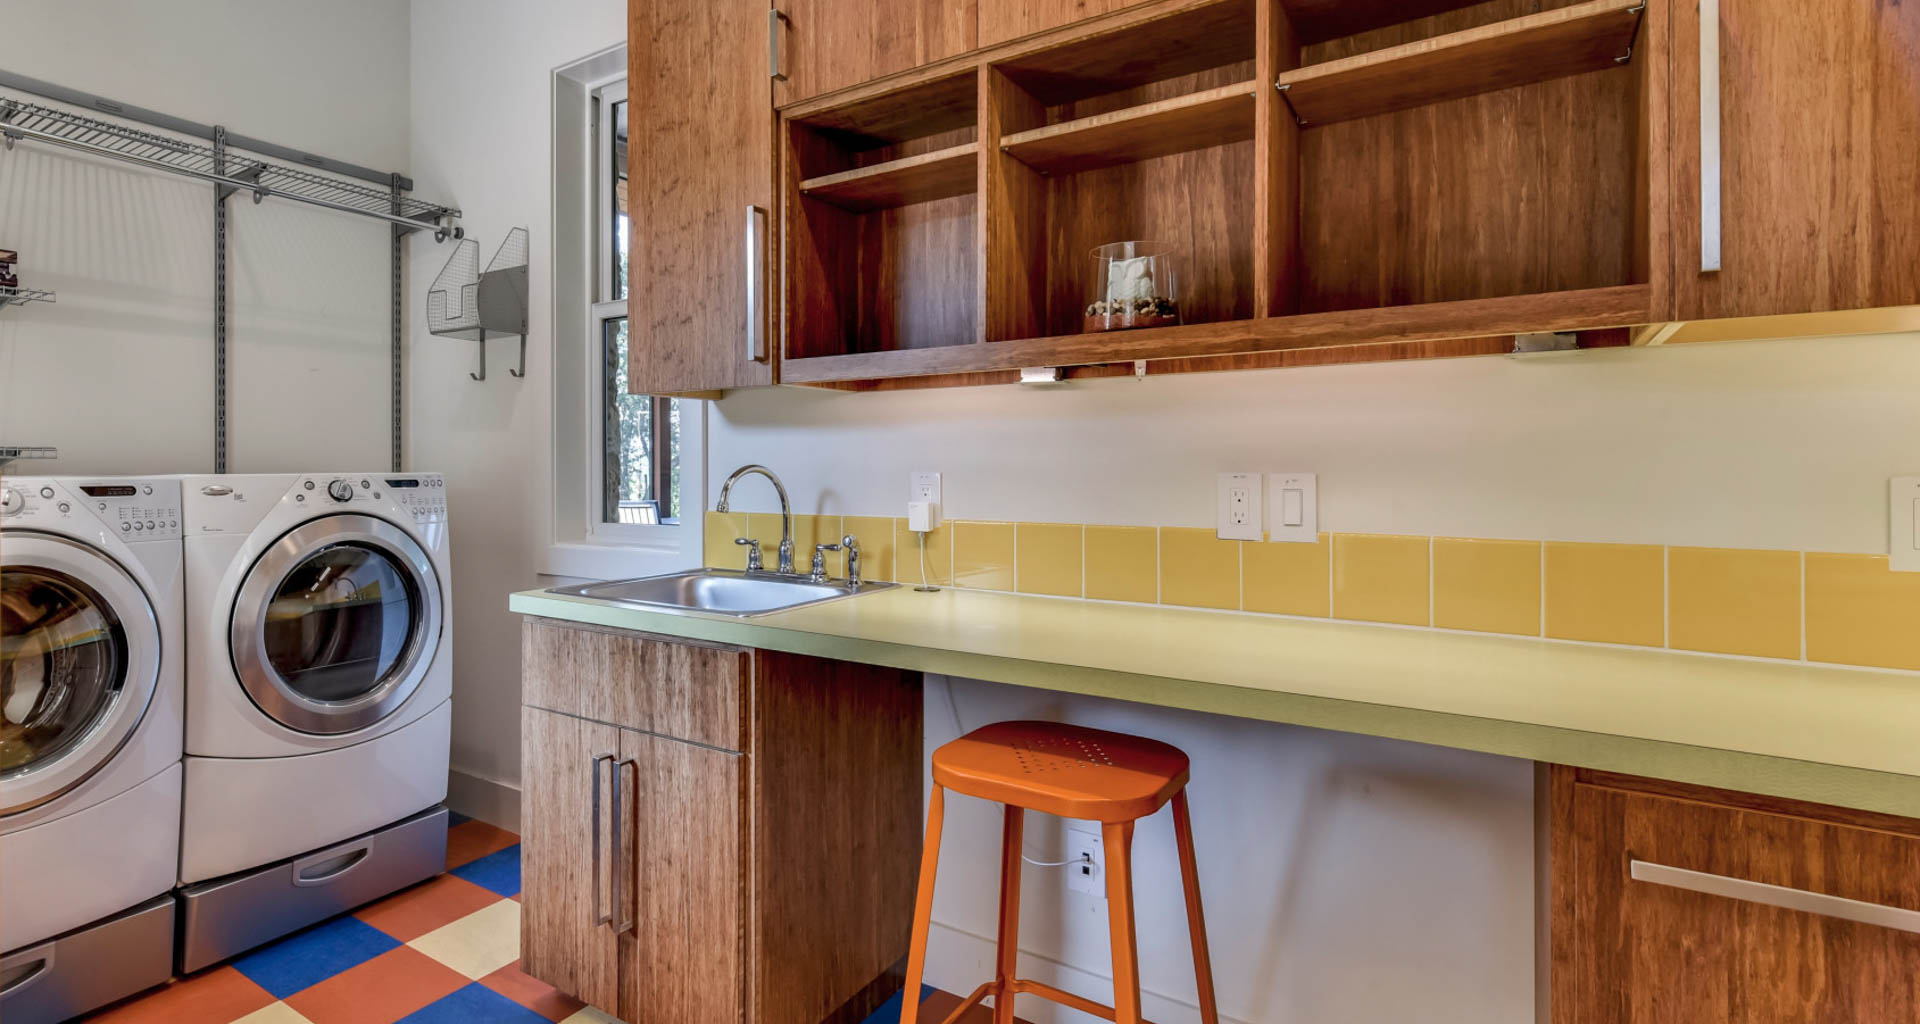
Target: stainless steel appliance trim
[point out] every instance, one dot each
(93, 965)
(1877, 914)
(247, 625)
(332, 866)
(38, 960)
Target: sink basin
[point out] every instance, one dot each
(721, 591)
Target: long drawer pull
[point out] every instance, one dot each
(594, 816)
(756, 258)
(1878, 914)
(1710, 186)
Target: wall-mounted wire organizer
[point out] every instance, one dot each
(466, 303)
(22, 296)
(233, 164)
(10, 453)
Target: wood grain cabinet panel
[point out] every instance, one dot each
(1001, 20)
(1820, 157)
(701, 161)
(677, 689)
(832, 44)
(561, 938)
(1688, 936)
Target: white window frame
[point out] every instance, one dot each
(580, 544)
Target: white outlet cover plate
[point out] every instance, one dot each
(924, 486)
(1903, 508)
(1237, 507)
(1081, 845)
(1295, 501)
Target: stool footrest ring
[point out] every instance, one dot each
(971, 1002)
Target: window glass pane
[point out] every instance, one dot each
(628, 457)
(621, 227)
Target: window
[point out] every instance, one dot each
(639, 478)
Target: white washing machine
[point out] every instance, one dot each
(319, 686)
(91, 694)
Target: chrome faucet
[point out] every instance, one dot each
(786, 511)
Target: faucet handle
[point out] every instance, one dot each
(753, 552)
(820, 561)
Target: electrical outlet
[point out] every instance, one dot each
(1903, 515)
(924, 486)
(1296, 507)
(1086, 864)
(923, 502)
(1237, 507)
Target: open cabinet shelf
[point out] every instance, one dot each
(1210, 117)
(940, 174)
(1589, 36)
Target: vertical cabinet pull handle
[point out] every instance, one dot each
(776, 53)
(594, 815)
(1878, 914)
(756, 256)
(626, 885)
(1710, 185)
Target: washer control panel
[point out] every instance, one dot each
(131, 509)
(423, 494)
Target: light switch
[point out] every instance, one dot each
(1903, 547)
(1296, 496)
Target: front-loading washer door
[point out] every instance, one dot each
(336, 623)
(79, 663)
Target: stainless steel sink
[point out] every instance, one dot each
(721, 591)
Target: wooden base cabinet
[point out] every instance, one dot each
(1677, 904)
(713, 834)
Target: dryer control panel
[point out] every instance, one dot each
(423, 494)
(133, 510)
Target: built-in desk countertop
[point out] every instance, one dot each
(1813, 732)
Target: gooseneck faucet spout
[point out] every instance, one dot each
(786, 510)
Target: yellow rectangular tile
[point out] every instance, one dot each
(1286, 579)
(1123, 563)
(1734, 601)
(1198, 569)
(1859, 612)
(1047, 557)
(909, 556)
(717, 543)
(983, 555)
(1608, 593)
(1491, 586)
(875, 535)
(808, 530)
(1381, 578)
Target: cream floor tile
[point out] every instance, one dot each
(589, 1015)
(277, 1013)
(478, 944)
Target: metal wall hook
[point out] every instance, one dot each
(482, 375)
(522, 371)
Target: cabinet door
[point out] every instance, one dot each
(700, 165)
(832, 44)
(566, 938)
(1819, 156)
(1001, 20)
(1670, 908)
(683, 958)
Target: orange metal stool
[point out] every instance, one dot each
(1071, 772)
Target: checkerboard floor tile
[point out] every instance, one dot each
(446, 951)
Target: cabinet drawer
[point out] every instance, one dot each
(1672, 905)
(677, 689)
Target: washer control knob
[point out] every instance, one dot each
(340, 490)
(46, 492)
(11, 502)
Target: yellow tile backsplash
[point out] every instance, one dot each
(1123, 563)
(1859, 612)
(1855, 611)
(983, 555)
(1285, 578)
(1730, 601)
(1048, 555)
(1489, 586)
(1198, 569)
(1381, 578)
(1609, 593)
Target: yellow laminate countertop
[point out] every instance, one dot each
(1813, 732)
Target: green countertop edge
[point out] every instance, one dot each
(1790, 778)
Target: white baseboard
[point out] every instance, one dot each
(959, 961)
(496, 803)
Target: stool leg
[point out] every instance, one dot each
(1012, 841)
(1126, 949)
(1196, 920)
(923, 909)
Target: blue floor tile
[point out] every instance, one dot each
(475, 1004)
(305, 959)
(889, 1011)
(498, 871)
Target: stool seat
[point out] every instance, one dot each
(1069, 771)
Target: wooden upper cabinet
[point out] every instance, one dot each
(831, 44)
(1819, 164)
(701, 169)
(1001, 20)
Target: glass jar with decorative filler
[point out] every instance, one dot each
(1133, 286)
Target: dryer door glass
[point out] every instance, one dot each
(342, 622)
(63, 664)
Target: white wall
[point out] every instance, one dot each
(118, 373)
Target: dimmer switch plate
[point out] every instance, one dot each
(1295, 498)
(1237, 509)
(1903, 540)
